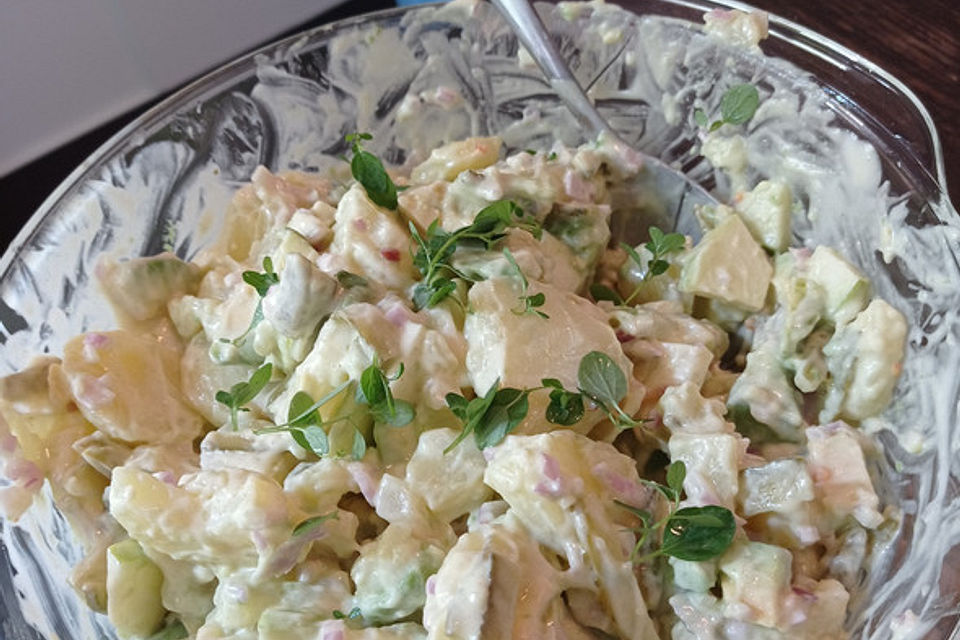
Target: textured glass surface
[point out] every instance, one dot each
(855, 145)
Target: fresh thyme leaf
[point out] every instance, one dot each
(698, 533)
(311, 523)
(340, 615)
(369, 172)
(642, 514)
(350, 280)
(528, 303)
(359, 448)
(739, 103)
(434, 251)
(374, 390)
(302, 411)
(566, 407)
(312, 438)
(601, 378)
(737, 106)
(489, 417)
(691, 533)
(530, 151)
(508, 409)
(660, 245)
(676, 474)
(242, 393)
(602, 292)
(262, 281)
(552, 156)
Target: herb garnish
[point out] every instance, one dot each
(691, 533)
(489, 417)
(369, 172)
(660, 245)
(353, 613)
(309, 430)
(494, 415)
(433, 254)
(528, 303)
(374, 390)
(312, 523)
(349, 280)
(737, 106)
(242, 393)
(602, 380)
(262, 283)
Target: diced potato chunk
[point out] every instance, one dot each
(713, 465)
(133, 590)
(128, 386)
(451, 482)
(757, 575)
(840, 476)
(448, 161)
(730, 266)
(371, 241)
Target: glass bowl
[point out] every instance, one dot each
(856, 146)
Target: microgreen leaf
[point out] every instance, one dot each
(602, 292)
(676, 474)
(350, 280)
(353, 613)
(737, 106)
(369, 172)
(528, 303)
(359, 448)
(242, 393)
(432, 257)
(262, 281)
(508, 409)
(312, 523)
(565, 408)
(374, 390)
(698, 533)
(601, 379)
(642, 514)
(739, 103)
(489, 417)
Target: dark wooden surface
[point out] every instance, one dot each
(918, 41)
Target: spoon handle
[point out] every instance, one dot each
(528, 27)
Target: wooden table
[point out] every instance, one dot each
(916, 41)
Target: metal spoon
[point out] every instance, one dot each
(678, 193)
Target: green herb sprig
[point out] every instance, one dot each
(737, 106)
(491, 417)
(350, 615)
(243, 393)
(691, 533)
(310, 524)
(660, 246)
(262, 283)
(369, 172)
(434, 251)
(374, 391)
(308, 429)
(528, 303)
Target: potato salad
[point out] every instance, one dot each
(444, 403)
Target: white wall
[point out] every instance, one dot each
(67, 66)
